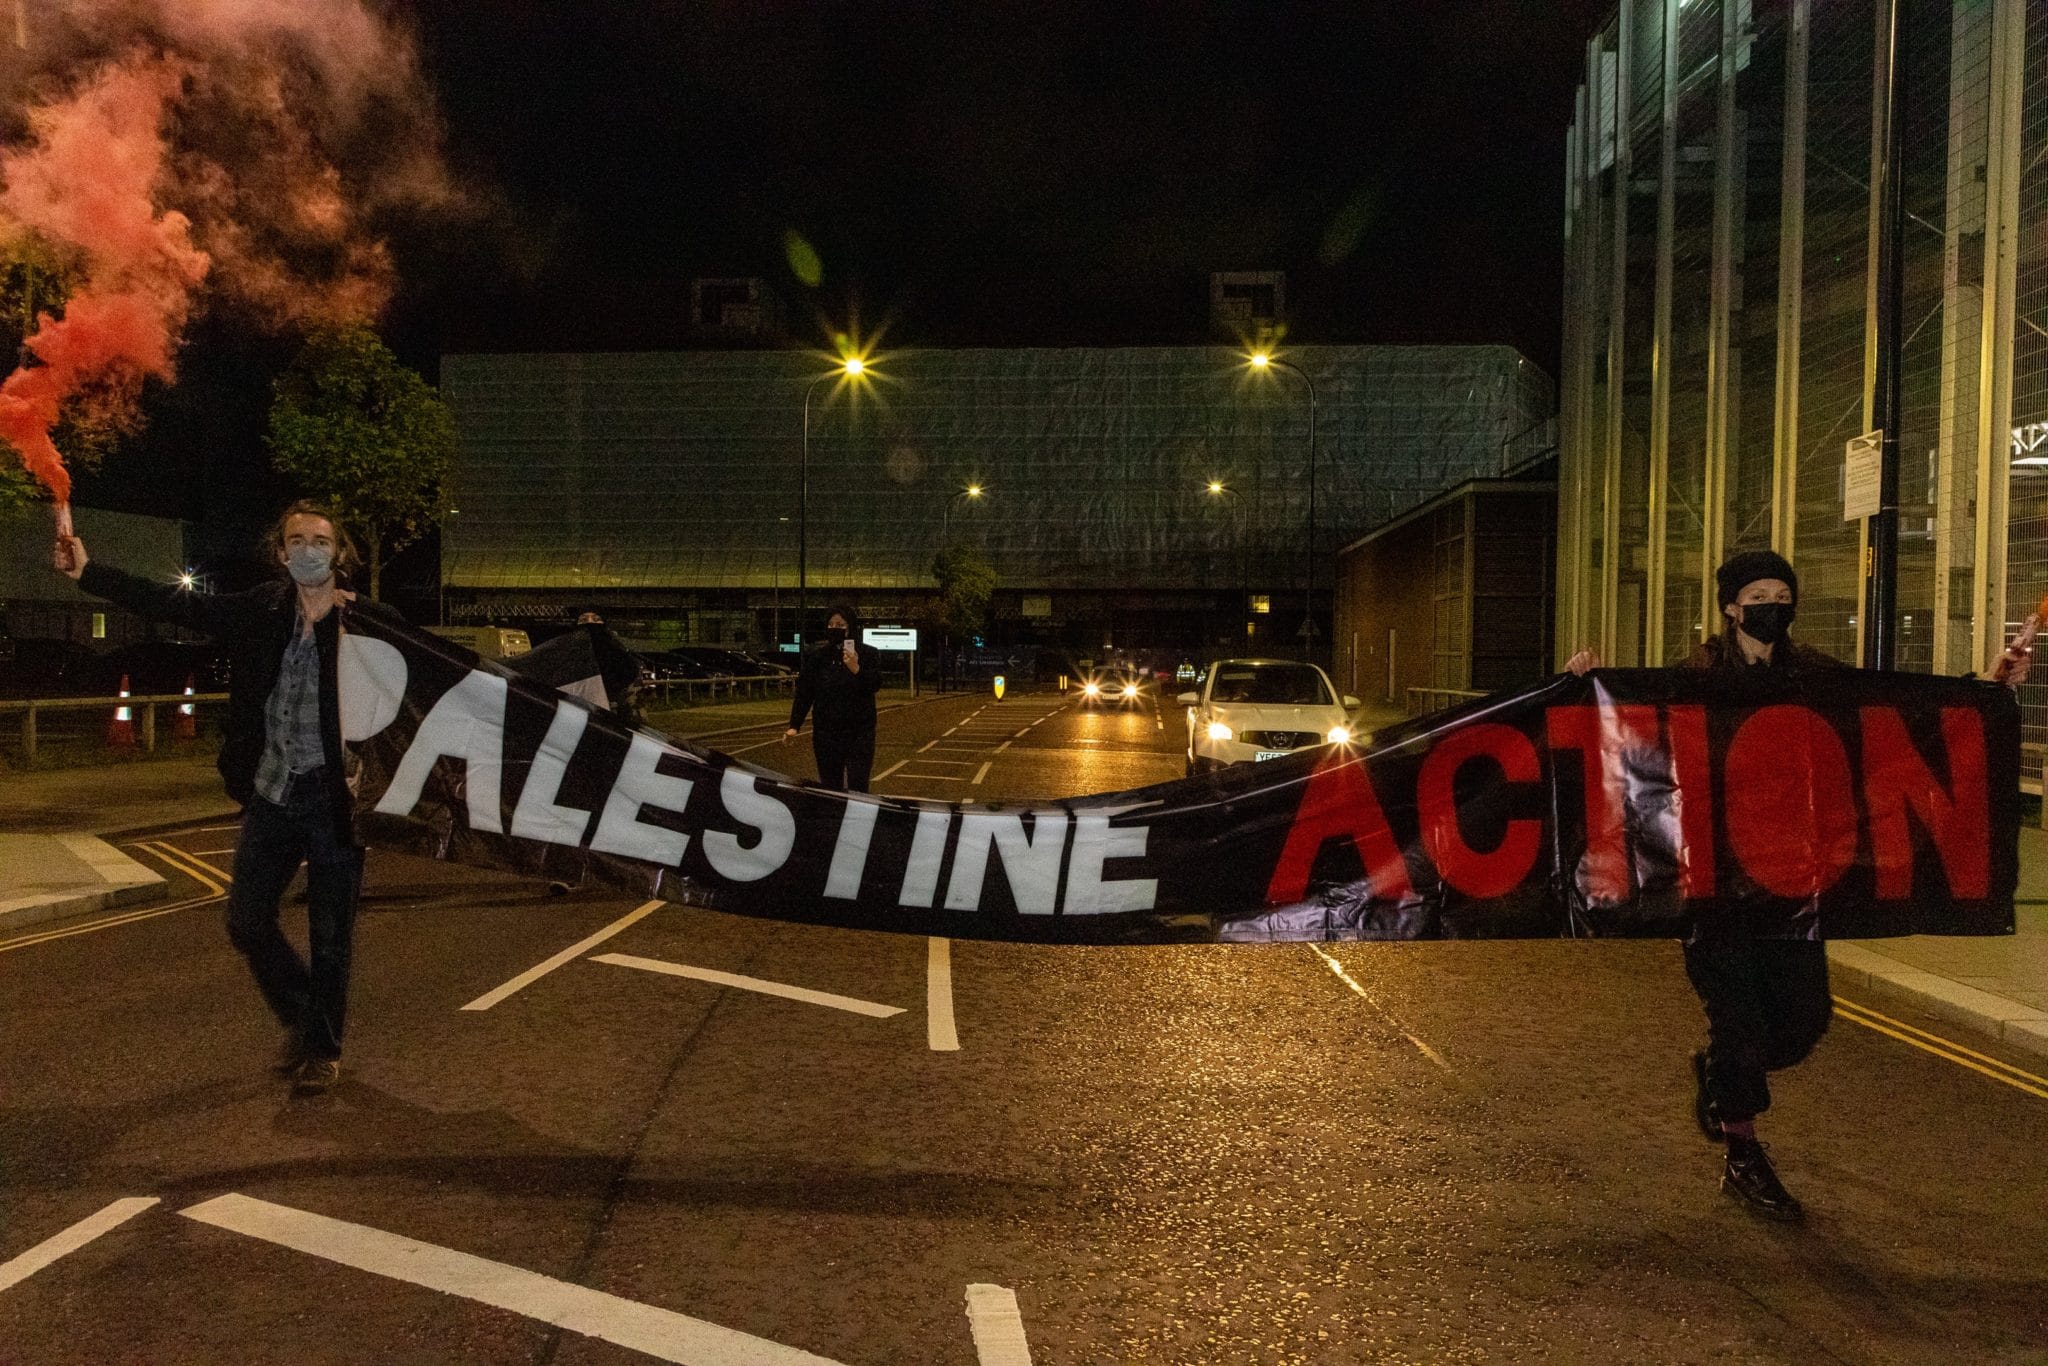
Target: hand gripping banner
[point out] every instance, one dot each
(1624, 803)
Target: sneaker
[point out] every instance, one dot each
(316, 1076)
(1749, 1178)
(1703, 1105)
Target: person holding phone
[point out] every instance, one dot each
(837, 688)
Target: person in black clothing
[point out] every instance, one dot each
(838, 683)
(282, 759)
(1767, 1001)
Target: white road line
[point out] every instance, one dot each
(981, 773)
(535, 973)
(1021, 734)
(209, 853)
(951, 731)
(928, 744)
(766, 988)
(890, 769)
(1348, 980)
(1005, 745)
(18, 1269)
(939, 1033)
(660, 1333)
(998, 1326)
(948, 763)
(930, 778)
(775, 740)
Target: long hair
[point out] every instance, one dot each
(852, 619)
(346, 558)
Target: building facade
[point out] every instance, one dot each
(1720, 341)
(668, 488)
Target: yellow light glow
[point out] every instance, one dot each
(1260, 360)
(1130, 690)
(185, 580)
(1092, 688)
(974, 490)
(1218, 731)
(854, 365)
(1339, 735)
(1216, 486)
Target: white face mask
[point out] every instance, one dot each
(310, 566)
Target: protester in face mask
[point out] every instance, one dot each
(1767, 1001)
(282, 758)
(840, 679)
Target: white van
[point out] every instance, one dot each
(490, 642)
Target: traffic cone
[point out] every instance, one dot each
(121, 730)
(185, 722)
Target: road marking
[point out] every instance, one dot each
(929, 743)
(1022, 733)
(890, 769)
(766, 988)
(939, 1033)
(771, 740)
(540, 970)
(1947, 1049)
(930, 778)
(981, 773)
(998, 1326)
(18, 1269)
(947, 763)
(1005, 745)
(192, 863)
(951, 731)
(210, 853)
(1348, 980)
(660, 1333)
(110, 922)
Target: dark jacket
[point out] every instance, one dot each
(1790, 658)
(254, 627)
(844, 700)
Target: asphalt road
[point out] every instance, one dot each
(550, 1145)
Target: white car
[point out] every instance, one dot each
(1245, 710)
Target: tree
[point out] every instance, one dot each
(360, 431)
(966, 584)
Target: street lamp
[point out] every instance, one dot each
(1218, 489)
(971, 492)
(1261, 362)
(849, 368)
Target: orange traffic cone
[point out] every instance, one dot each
(185, 723)
(121, 730)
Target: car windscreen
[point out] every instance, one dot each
(1283, 685)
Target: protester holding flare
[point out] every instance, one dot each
(282, 758)
(1767, 1001)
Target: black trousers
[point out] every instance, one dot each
(311, 998)
(845, 757)
(1767, 1005)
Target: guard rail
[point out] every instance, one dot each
(143, 708)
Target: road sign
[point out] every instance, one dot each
(891, 637)
(1861, 462)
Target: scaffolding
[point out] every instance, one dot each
(682, 470)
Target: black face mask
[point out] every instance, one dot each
(1766, 622)
(835, 636)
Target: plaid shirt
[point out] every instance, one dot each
(291, 718)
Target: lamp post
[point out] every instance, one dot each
(850, 368)
(972, 491)
(1218, 489)
(1263, 361)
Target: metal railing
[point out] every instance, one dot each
(1422, 701)
(142, 713)
(696, 692)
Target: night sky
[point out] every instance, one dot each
(1038, 172)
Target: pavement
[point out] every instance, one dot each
(53, 864)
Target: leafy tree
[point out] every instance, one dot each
(360, 431)
(18, 492)
(966, 584)
(35, 279)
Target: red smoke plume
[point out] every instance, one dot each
(249, 145)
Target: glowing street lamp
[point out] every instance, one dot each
(1218, 489)
(850, 368)
(186, 579)
(972, 491)
(1263, 362)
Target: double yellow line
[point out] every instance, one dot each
(213, 879)
(1947, 1049)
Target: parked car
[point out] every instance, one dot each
(666, 666)
(37, 667)
(490, 642)
(764, 666)
(1246, 710)
(162, 666)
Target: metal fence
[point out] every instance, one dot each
(105, 723)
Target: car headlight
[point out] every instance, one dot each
(1130, 690)
(1218, 731)
(1092, 689)
(1339, 735)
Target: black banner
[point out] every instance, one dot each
(1624, 803)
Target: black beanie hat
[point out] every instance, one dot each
(1746, 568)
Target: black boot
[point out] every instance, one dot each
(1749, 1178)
(1702, 1104)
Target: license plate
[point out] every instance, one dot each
(1266, 754)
